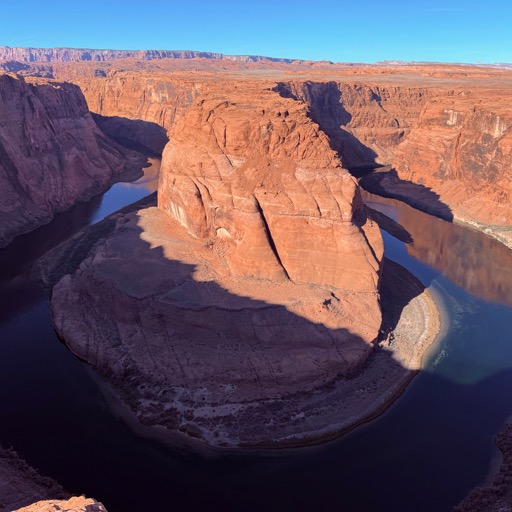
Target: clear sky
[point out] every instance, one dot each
(341, 30)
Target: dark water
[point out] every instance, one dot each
(424, 454)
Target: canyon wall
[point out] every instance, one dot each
(138, 108)
(365, 122)
(84, 54)
(52, 154)
(461, 148)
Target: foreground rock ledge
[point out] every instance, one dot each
(141, 302)
(23, 489)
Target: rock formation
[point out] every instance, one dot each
(365, 122)
(52, 154)
(22, 488)
(75, 504)
(446, 134)
(253, 272)
(461, 148)
(256, 175)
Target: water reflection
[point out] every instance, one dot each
(17, 258)
(472, 260)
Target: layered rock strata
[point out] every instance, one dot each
(252, 275)
(52, 154)
(446, 134)
(28, 55)
(365, 122)
(461, 148)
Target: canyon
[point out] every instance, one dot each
(443, 132)
(259, 232)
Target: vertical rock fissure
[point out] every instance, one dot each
(270, 239)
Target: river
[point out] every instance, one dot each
(424, 453)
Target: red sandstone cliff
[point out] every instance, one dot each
(254, 171)
(365, 122)
(52, 154)
(461, 148)
(252, 275)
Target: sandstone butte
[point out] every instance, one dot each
(52, 154)
(253, 272)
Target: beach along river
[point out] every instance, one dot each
(424, 453)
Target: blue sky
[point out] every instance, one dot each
(355, 30)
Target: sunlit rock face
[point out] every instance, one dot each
(461, 148)
(253, 285)
(255, 174)
(52, 154)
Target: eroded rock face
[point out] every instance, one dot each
(251, 277)
(75, 504)
(256, 176)
(365, 122)
(461, 148)
(52, 154)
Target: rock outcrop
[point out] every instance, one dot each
(256, 175)
(461, 148)
(52, 154)
(252, 275)
(75, 504)
(22, 488)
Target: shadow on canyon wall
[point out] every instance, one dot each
(143, 136)
(327, 110)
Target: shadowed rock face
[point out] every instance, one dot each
(52, 154)
(365, 122)
(448, 138)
